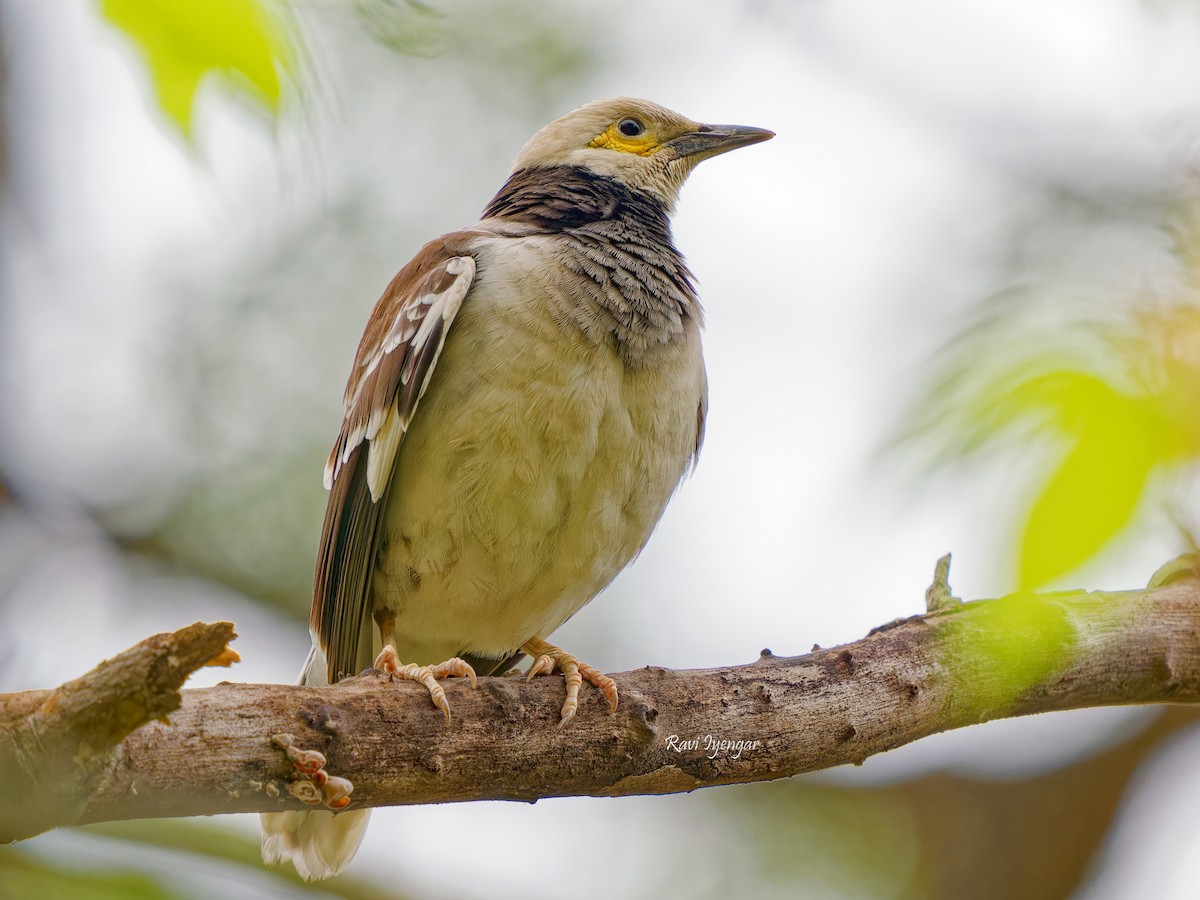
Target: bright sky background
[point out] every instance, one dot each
(832, 261)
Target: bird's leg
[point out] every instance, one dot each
(547, 659)
(426, 675)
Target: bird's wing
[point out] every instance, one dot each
(395, 361)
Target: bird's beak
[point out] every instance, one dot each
(710, 140)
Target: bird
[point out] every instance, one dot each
(527, 395)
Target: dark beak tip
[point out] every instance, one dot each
(713, 140)
(743, 135)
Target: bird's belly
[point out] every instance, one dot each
(527, 482)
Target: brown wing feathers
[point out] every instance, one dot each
(341, 591)
(395, 359)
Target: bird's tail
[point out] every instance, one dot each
(319, 843)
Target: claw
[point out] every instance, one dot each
(602, 683)
(543, 665)
(455, 668)
(547, 659)
(426, 675)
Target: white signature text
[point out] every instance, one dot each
(712, 746)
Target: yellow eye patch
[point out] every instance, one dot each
(612, 138)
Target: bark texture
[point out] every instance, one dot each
(58, 747)
(98, 749)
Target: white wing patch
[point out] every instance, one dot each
(381, 452)
(413, 344)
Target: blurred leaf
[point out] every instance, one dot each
(161, 859)
(526, 51)
(937, 836)
(184, 41)
(1097, 487)
(795, 838)
(405, 26)
(252, 528)
(1064, 398)
(230, 846)
(22, 875)
(1114, 397)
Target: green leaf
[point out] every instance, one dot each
(152, 859)
(1096, 489)
(184, 41)
(23, 875)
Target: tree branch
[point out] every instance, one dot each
(56, 746)
(82, 753)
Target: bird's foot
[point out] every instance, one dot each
(547, 659)
(426, 675)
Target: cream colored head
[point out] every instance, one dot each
(641, 144)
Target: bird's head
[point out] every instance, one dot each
(641, 144)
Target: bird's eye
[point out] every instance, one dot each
(630, 127)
